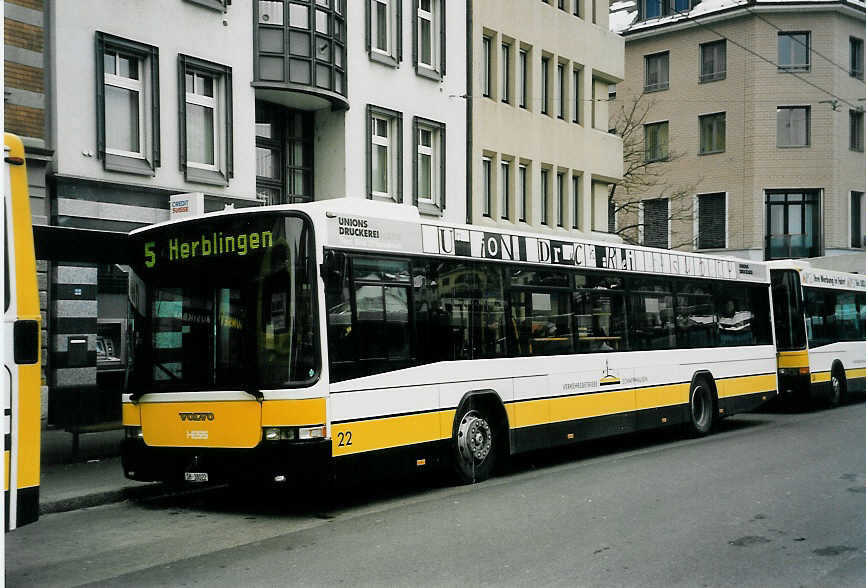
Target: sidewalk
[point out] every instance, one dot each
(92, 478)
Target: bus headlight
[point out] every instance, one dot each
(280, 433)
(133, 432)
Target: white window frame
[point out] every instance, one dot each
(523, 189)
(431, 17)
(505, 67)
(545, 80)
(486, 186)
(376, 139)
(544, 196)
(432, 151)
(485, 65)
(132, 85)
(211, 102)
(560, 84)
(523, 78)
(504, 188)
(389, 26)
(560, 199)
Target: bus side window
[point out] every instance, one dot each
(861, 307)
(338, 301)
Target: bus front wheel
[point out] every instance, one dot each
(701, 407)
(474, 446)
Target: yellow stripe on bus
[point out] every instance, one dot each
(792, 359)
(818, 377)
(746, 385)
(388, 432)
(657, 396)
(306, 411)
(855, 373)
(360, 436)
(549, 410)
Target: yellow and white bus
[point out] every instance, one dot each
(269, 341)
(820, 318)
(21, 327)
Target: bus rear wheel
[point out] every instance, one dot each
(838, 386)
(474, 446)
(701, 408)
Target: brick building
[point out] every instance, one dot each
(763, 102)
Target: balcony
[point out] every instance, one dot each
(300, 53)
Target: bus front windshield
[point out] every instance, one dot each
(223, 303)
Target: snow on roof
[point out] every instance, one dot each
(624, 12)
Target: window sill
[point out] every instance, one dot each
(387, 60)
(386, 198)
(430, 209)
(793, 146)
(428, 72)
(217, 5)
(793, 68)
(648, 90)
(717, 151)
(713, 78)
(127, 165)
(204, 176)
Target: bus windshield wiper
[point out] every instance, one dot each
(135, 396)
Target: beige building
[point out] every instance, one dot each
(759, 109)
(540, 153)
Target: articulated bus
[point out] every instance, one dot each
(820, 324)
(278, 341)
(21, 326)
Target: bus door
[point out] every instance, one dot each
(792, 354)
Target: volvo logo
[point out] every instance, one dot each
(196, 416)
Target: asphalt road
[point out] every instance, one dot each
(771, 499)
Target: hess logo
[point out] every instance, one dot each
(196, 416)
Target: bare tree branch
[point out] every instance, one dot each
(642, 177)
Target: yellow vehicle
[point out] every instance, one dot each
(21, 326)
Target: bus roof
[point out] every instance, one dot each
(821, 278)
(370, 226)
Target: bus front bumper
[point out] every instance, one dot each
(292, 462)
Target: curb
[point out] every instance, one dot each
(155, 490)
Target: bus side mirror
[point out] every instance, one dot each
(25, 335)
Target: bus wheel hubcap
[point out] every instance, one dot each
(474, 438)
(836, 383)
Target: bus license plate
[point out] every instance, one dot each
(195, 476)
